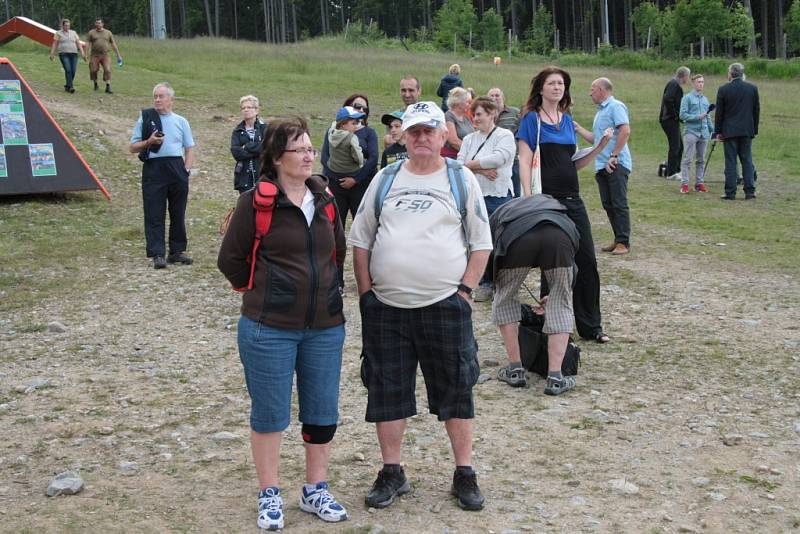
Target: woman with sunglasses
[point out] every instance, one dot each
(291, 320)
(246, 144)
(349, 190)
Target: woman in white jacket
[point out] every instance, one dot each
(489, 153)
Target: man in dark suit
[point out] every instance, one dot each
(736, 124)
(669, 118)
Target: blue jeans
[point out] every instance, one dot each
(492, 203)
(614, 197)
(70, 64)
(741, 148)
(271, 356)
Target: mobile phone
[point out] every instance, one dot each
(711, 107)
(159, 134)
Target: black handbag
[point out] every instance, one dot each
(533, 346)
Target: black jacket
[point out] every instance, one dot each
(514, 218)
(246, 153)
(738, 109)
(449, 82)
(671, 101)
(151, 122)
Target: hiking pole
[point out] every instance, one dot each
(713, 146)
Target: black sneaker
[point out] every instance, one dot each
(387, 486)
(466, 490)
(159, 262)
(96, 87)
(180, 257)
(108, 89)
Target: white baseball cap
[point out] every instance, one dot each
(425, 113)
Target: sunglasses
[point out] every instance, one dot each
(361, 107)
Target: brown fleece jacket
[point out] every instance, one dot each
(296, 279)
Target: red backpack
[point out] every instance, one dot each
(264, 197)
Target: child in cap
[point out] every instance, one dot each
(397, 150)
(346, 156)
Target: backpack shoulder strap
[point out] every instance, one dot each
(264, 196)
(385, 185)
(458, 186)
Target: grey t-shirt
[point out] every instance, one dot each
(463, 127)
(419, 250)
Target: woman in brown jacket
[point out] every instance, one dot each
(291, 319)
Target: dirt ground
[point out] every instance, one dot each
(133, 394)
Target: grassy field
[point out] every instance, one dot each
(703, 313)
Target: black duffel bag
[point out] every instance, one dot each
(533, 346)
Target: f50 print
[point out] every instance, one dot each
(418, 204)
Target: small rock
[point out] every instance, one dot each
(32, 385)
(376, 529)
(577, 500)
(750, 322)
(437, 507)
(732, 439)
(484, 378)
(167, 456)
(716, 496)
(613, 288)
(56, 327)
(797, 426)
(491, 362)
(594, 393)
(225, 436)
(769, 496)
(347, 420)
(66, 483)
(105, 431)
(701, 482)
(762, 469)
(573, 483)
(773, 471)
(128, 468)
(695, 306)
(759, 435)
(666, 517)
(511, 531)
(620, 485)
(359, 457)
(774, 509)
(687, 528)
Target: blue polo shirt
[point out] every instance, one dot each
(177, 136)
(611, 113)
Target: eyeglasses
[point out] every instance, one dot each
(361, 107)
(302, 152)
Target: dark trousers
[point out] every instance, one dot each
(586, 293)
(739, 148)
(165, 182)
(673, 130)
(70, 64)
(347, 200)
(515, 179)
(614, 196)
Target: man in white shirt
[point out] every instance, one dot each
(415, 272)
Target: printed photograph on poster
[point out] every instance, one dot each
(3, 167)
(10, 92)
(43, 159)
(14, 129)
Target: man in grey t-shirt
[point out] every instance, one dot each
(415, 272)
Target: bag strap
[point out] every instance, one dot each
(264, 197)
(385, 185)
(484, 142)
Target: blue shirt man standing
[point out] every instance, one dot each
(614, 164)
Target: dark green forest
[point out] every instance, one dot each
(670, 28)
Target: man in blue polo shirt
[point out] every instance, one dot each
(165, 144)
(613, 165)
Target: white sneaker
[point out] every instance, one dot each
(270, 509)
(676, 176)
(319, 501)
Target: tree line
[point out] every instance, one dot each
(668, 27)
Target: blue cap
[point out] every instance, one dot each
(349, 112)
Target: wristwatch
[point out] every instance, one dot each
(466, 289)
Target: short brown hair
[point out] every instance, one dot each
(277, 138)
(695, 76)
(488, 105)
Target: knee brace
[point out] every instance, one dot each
(318, 435)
